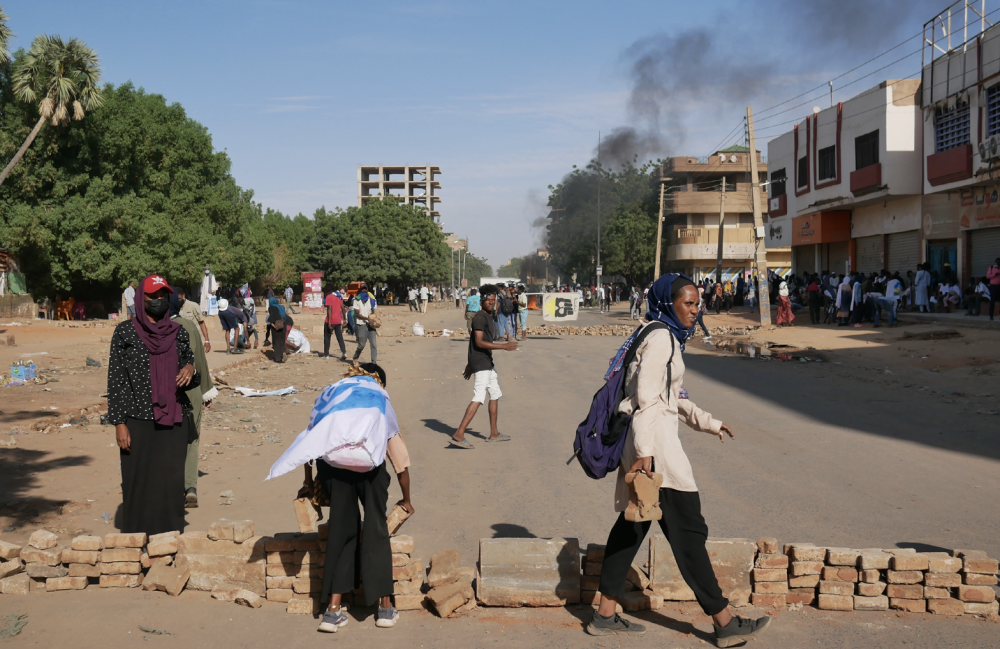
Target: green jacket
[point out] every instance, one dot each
(200, 364)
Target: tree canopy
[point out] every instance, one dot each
(135, 188)
(627, 217)
(383, 241)
(476, 269)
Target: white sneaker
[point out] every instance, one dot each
(387, 617)
(332, 621)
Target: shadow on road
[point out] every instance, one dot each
(19, 473)
(21, 415)
(511, 531)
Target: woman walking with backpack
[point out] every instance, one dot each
(657, 403)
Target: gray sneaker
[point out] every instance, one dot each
(739, 630)
(332, 621)
(387, 617)
(613, 625)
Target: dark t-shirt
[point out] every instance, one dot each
(481, 359)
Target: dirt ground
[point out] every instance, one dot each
(882, 442)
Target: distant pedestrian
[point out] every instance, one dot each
(522, 310)
(993, 275)
(424, 296)
(364, 306)
(480, 368)
(334, 323)
(191, 311)
(289, 294)
(151, 365)
(411, 299)
(921, 288)
(471, 308)
(785, 314)
(130, 299)
(276, 324)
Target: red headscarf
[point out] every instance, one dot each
(160, 338)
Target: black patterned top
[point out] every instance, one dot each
(130, 389)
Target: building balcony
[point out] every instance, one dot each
(703, 243)
(737, 202)
(867, 179)
(950, 166)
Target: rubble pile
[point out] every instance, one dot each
(595, 330)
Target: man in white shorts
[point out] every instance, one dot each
(481, 368)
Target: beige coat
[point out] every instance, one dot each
(657, 411)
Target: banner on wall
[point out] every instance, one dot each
(559, 307)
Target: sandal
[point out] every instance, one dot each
(460, 444)
(499, 438)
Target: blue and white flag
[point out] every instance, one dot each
(350, 425)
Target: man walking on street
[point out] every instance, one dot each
(424, 293)
(364, 304)
(130, 300)
(993, 276)
(334, 324)
(289, 294)
(522, 310)
(480, 368)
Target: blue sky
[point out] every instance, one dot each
(504, 97)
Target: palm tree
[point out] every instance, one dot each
(59, 76)
(5, 35)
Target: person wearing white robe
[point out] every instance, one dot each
(208, 288)
(921, 284)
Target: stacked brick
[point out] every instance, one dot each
(295, 570)
(638, 596)
(407, 574)
(450, 584)
(770, 575)
(112, 561)
(844, 579)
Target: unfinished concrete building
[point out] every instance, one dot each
(415, 185)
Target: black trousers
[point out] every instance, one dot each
(153, 477)
(349, 562)
(685, 529)
(278, 336)
(815, 310)
(328, 330)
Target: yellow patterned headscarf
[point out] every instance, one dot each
(355, 370)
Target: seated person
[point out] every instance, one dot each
(295, 340)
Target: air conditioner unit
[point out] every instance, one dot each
(984, 150)
(989, 149)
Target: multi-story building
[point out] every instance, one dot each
(960, 100)
(415, 185)
(845, 184)
(691, 216)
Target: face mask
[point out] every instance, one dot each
(157, 308)
(206, 272)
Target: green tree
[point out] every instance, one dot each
(572, 233)
(383, 241)
(60, 77)
(136, 188)
(629, 243)
(511, 269)
(476, 269)
(6, 34)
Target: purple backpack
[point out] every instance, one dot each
(601, 436)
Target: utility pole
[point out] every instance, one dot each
(659, 232)
(758, 221)
(722, 222)
(599, 175)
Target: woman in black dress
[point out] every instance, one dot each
(150, 367)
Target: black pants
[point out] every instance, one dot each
(349, 562)
(815, 309)
(153, 477)
(328, 330)
(278, 336)
(685, 529)
(994, 297)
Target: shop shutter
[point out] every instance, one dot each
(805, 259)
(840, 256)
(869, 254)
(904, 252)
(985, 249)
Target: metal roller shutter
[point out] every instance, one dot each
(869, 254)
(904, 252)
(805, 259)
(840, 257)
(985, 249)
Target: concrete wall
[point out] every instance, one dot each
(897, 215)
(18, 306)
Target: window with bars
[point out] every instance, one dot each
(803, 179)
(951, 128)
(827, 163)
(866, 150)
(993, 110)
(778, 179)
